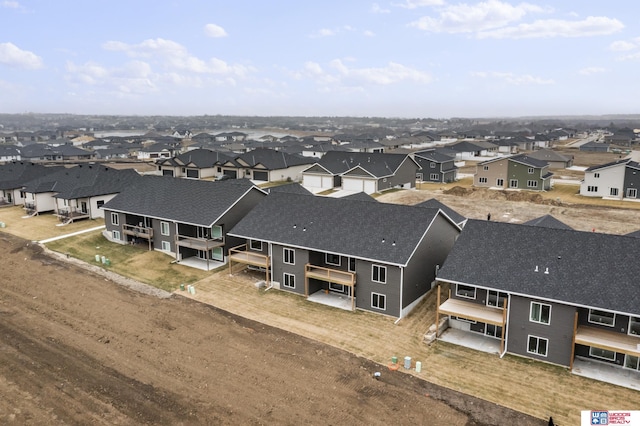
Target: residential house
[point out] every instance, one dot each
(78, 192)
(354, 171)
(595, 147)
(195, 164)
(13, 177)
(618, 179)
(45, 152)
(435, 166)
(535, 292)
(9, 153)
(515, 172)
(185, 218)
(547, 221)
(352, 254)
(157, 150)
(268, 165)
(553, 158)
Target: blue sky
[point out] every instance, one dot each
(404, 58)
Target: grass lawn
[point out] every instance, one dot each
(42, 226)
(150, 267)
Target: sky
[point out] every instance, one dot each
(400, 59)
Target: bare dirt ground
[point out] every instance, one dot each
(77, 348)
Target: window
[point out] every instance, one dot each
(289, 256)
(166, 246)
(496, 298)
(632, 362)
(466, 291)
(632, 193)
(332, 259)
(602, 353)
(499, 182)
(537, 345)
(115, 220)
(99, 203)
(434, 176)
(216, 231)
(513, 183)
(352, 264)
(485, 168)
(217, 254)
(379, 301)
(596, 175)
(432, 165)
(530, 170)
(539, 312)
(634, 326)
(532, 184)
(379, 274)
(23, 194)
(255, 245)
(115, 235)
(613, 192)
(591, 188)
(482, 180)
(289, 280)
(462, 319)
(602, 317)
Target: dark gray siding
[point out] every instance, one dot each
(406, 173)
(631, 180)
(365, 286)
(109, 226)
(235, 214)
(432, 251)
(279, 267)
(158, 238)
(559, 332)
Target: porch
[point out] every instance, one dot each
(329, 298)
(331, 276)
(240, 254)
(471, 340)
(202, 264)
(608, 340)
(70, 215)
(607, 373)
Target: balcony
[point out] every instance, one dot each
(204, 244)
(68, 215)
(608, 340)
(329, 275)
(138, 231)
(240, 254)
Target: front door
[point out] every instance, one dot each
(83, 207)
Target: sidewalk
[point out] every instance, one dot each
(59, 237)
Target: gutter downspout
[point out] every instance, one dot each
(401, 287)
(270, 267)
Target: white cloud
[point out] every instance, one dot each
(368, 33)
(11, 4)
(625, 45)
(392, 73)
(174, 56)
(13, 56)
(134, 77)
(330, 32)
(630, 57)
(465, 18)
(414, 4)
(376, 8)
(590, 26)
(592, 70)
(514, 79)
(215, 31)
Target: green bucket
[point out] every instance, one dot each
(181, 287)
(394, 359)
(107, 262)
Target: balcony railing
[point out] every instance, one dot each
(329, 275)
(240, 254)
(71, 214)
(138, 231)
(199, 243)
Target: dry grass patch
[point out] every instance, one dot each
(42, 226)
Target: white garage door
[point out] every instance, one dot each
(327, 182)
(369, 186)
(312, 181)
(351, 184)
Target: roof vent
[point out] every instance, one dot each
(546, 271)
(383, 240)
(536, 270)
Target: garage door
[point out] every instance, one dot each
(369, 186)
(327, 182)
(312, 181)
(232, 173)
(352, 184)
(262, 176)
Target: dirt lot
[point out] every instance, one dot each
(77, 348)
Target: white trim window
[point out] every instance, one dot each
(496, 299)
(352, 264)
(379, 274)
(115, 235)
(605, 354)
(255, 245)
(632, 193)
(499, 182)
(115, 219)
(532, 184)
(482, 180)
(166, 246)
(466, 291)
(540, 313)
(537, 345)
(530, 170)
(332, 259)
(513, 183)
(288, 280)
(164, 228)
(634, 326)
(602, 317)
(288, 256)
(613, 192)
(632, 362)
(379, 301)
(434, 176)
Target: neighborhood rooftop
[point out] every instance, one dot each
(554, 264)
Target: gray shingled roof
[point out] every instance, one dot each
(16, 174)
(292, 188)
(376, 231)
(434, 155)
(585, 268)
(272, 159)
(200, 158)
(195, 202)
(83, 181)
(435, 204)
(378, 164)
(529, 161)
(548, 221)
